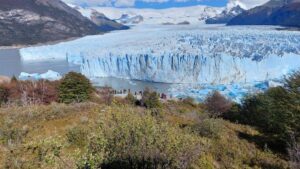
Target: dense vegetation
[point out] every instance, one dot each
(276, 113)
(112, 133)
(73, 88)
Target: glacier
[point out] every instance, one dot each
(182, 54)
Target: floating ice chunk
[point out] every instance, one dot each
(49, 75)
(28, 76)
(235, 91)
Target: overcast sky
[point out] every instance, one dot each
(159, 3)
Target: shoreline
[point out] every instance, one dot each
(39, 44)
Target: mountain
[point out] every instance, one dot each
(274, 12)
(25, 22)
(105, 23)
(129, 16)
(225, 16)
(126, 19)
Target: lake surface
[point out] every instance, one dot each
(12, 64)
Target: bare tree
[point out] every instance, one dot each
(217, 104)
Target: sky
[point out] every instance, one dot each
(158, 4)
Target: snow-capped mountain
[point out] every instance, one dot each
(233, 9)
(245, 4)
(225, 16)
(35, 21)
(275, 12)
(130, 20)
(194, 14)
(105, 23)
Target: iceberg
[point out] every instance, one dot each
(234, 91)
(49, 75)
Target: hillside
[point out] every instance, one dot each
(58, 135)
(274, 12)
(70, 124)
(24, 22)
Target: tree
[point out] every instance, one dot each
(275, 112)
(75, 87)
(216, 104)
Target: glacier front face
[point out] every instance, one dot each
(212, 54)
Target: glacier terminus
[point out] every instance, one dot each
(207, 55)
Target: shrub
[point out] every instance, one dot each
(106, 94)
(189, 101)
(127, 140)
(275, 112)
(131, 99)
(75, 87)
(150, 99)
(216, 104)
(210, 128)
(77, 136)
(4, 93)
(30, 92)
(294, 153)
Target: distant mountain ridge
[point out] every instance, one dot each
(105, 23)
(24, 22)
(133, 16)
(225, 16)
(274, 12)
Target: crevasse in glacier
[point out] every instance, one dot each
(181, 54)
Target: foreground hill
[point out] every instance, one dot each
(275, 12)
(35, 21)
(93, 134)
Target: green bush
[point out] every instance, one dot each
(150, 100)
(75, 87)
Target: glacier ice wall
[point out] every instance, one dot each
(181, 54)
